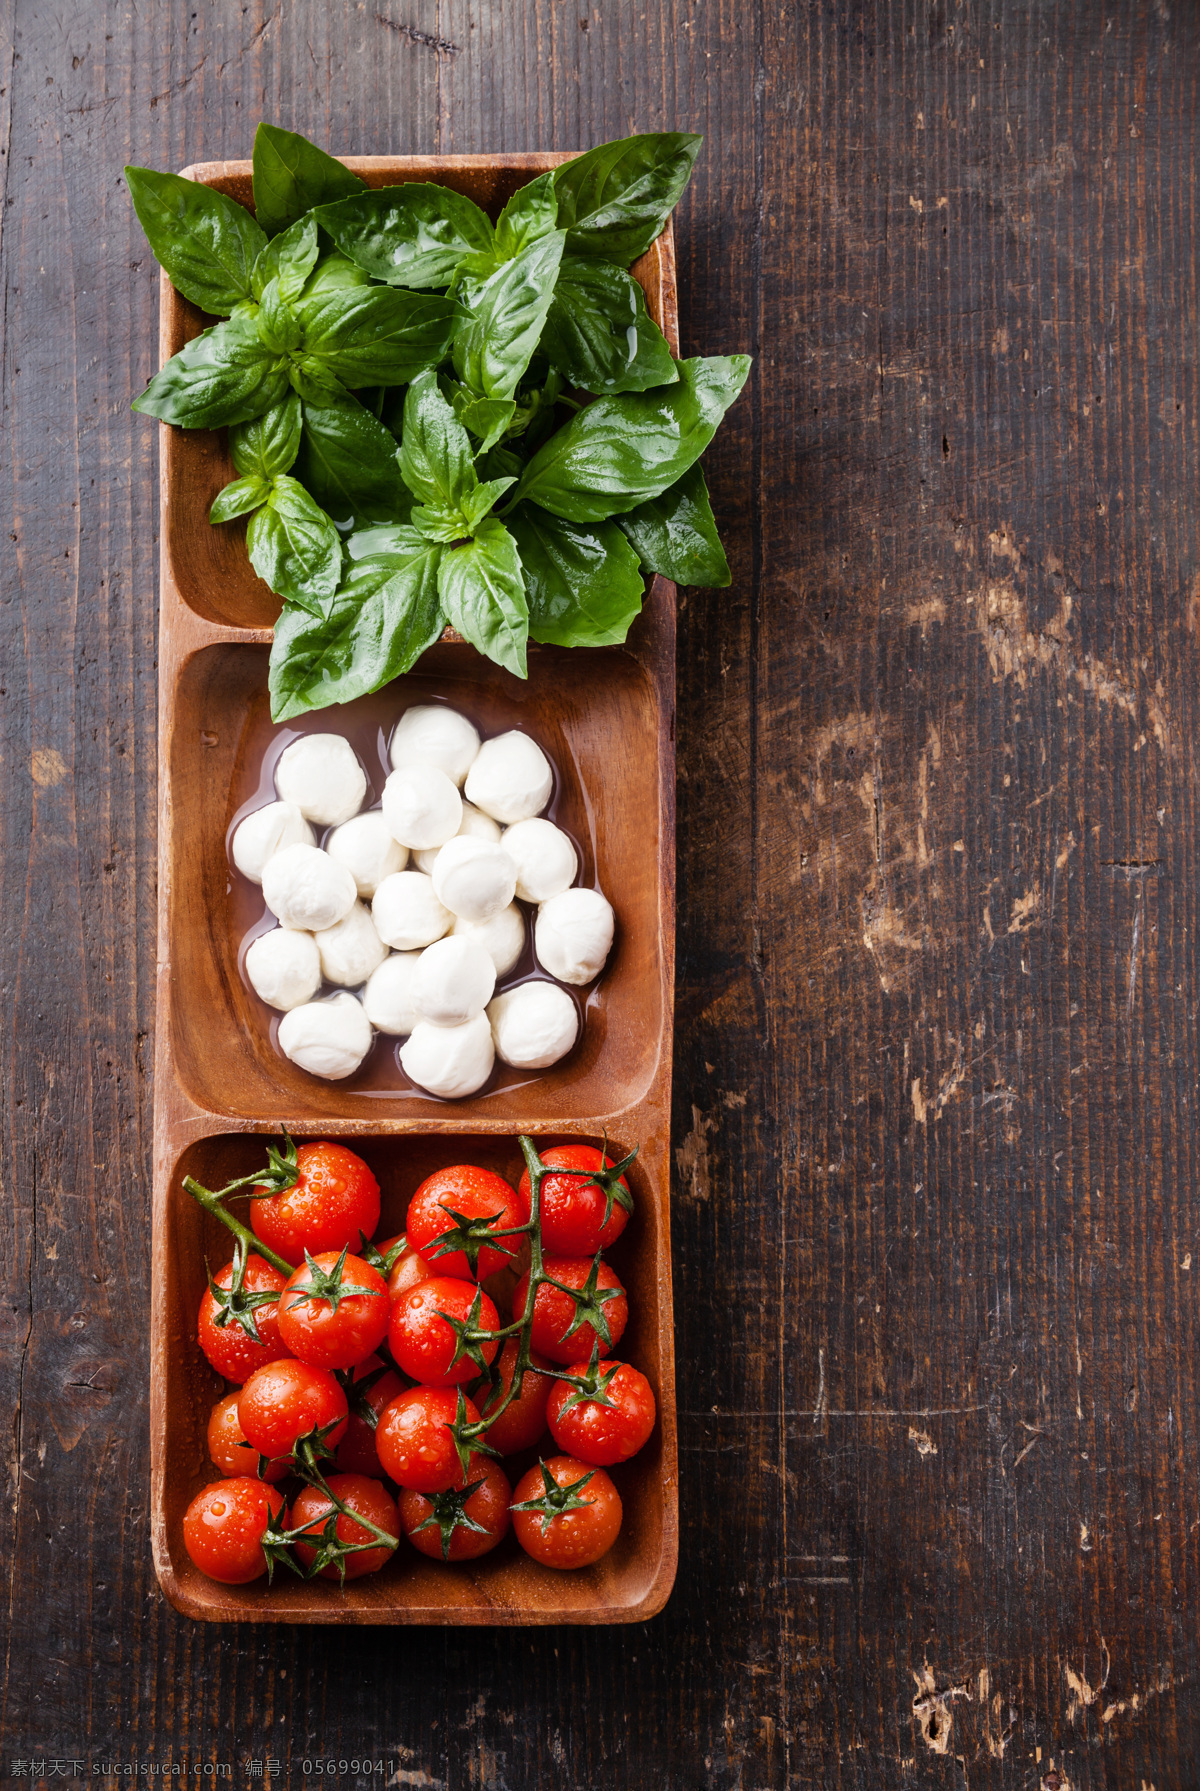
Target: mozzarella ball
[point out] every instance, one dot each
(421, 806)
(366, 847)
(406, 912)
(351, 949)
(266, 832)
(451, 1061)
(573, 935)
(284, 967)
(546, 861)
(322, 776)
(327, 1038)
(533, 1025)
(304, 888)
(511, 778)
(453, 981)
(432, 734)
(474, 878)
(502, 937)
(387, 996)
(474, 822)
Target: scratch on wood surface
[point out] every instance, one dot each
(922, 1441)
(426, 39)
(933, 1709)
(47, 767)
(691, 1157)
(1082, 1695)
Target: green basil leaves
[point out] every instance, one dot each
(613, 201)
(291, 175)
(413, 235)
(207, 242)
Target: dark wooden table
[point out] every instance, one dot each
(936, 1220)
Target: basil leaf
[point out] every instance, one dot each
(333, 273)
(476, 504)
(223, 376)
(598, 334)
(268, 444)
(496, 343)
(615, 199)
(291, 175)
(377, 335)
(348, 463)
(487, 418)
(483, 595)
(411, 235)
(622, 450)
(675, 534)
(436, 462)
(531, 212)
(294, 546)
(381, 619)
(205, 240)
(239, 496)
(583, 583)
(288, 258)
(278, 325)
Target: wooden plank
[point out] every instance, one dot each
(944, 1305)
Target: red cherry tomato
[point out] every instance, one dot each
(356, 1453)
(327, 1329)
(229, 1448)
(335, 1199)
(414, 1441)
(366, 1496)
(578, 1534)
(480, 1196)
(554, 1312)
(522, 1423)
(409, 1268)
(423, 1344)
(284, 1401)
(223, 1528)
(487, 1506)
(596, 1432)
(571, 1208)
(228, 1347)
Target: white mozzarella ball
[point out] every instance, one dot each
(327, 1038)
(533, 1025)
(573, 935)
(365, 846)
(453, 981)
(266, 832)
(388, 995)
(546, 861)
(421, 806)
(451, 1061)
(511, 778)
(432, 734)
(474, 878)
(351, 949)
(407, 913)
(474, 822)
(502, 937)
(284, 967)
(304, 888)
(322, 776)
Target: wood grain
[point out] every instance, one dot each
(936, 1231)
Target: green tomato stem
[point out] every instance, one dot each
(213, 1203)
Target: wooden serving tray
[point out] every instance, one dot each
(607, 717)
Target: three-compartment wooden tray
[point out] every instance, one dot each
(607, 718)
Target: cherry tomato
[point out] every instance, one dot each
(409, 1268)
(283, 1401)
(480, 1196)
(414, 1440)
(423, 1344)
(596, 1432)
(370, 1498)
(447, 1537)
(328, 1329)
(229, 1448)
(521, 1424)
(228, 1347)
(223, 1528)
(586, 1525)
(356, 1453)
(335, 1199)
(554, 1312)
(571, 1208)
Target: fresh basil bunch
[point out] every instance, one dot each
(489, 494)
